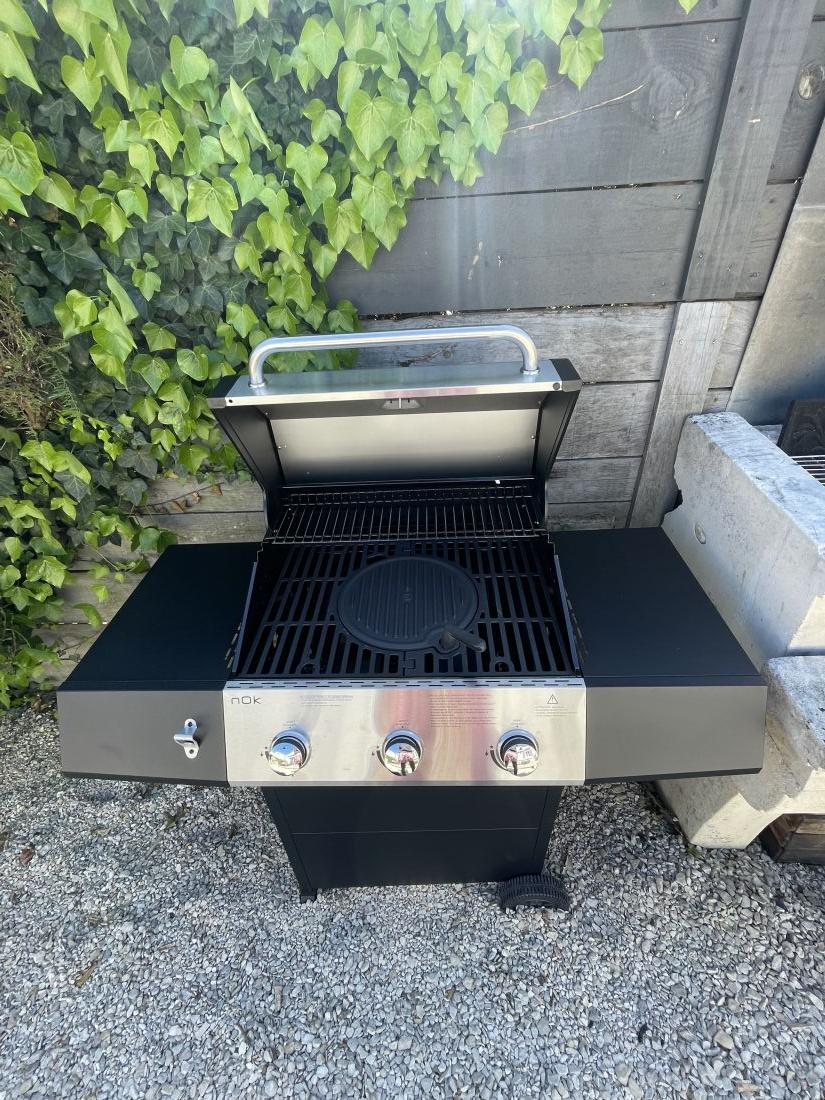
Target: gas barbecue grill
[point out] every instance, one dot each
(409, 665)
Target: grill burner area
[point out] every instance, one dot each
(293, 626)
(408, 603)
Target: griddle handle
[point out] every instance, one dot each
(342, 340)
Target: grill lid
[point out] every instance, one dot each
(427, 422)
(408, 602)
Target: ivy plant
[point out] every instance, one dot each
(178, 179)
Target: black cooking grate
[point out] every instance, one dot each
(376, 514)
(292, 629)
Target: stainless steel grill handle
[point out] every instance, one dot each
(339, 341)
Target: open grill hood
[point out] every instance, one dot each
(433, 423)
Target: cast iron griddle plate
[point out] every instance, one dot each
(406, 602)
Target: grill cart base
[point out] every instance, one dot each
(386, 836)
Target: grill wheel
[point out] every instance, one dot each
(534, 891)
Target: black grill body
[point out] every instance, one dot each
(669, 692)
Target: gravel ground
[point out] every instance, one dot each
(151, 945)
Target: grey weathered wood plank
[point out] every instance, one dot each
(651, 13)
(647, 114)
(765, 70)
(734, 340)
(716, 400)
(610, 421)
(697, 335)
(177, 496)
(216, 526)
(582, 481)
(620, 245)
(785, 358)
(605, 344)
(588, 517)
(803, 117)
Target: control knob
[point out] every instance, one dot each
(401, 752)
(517, 752)
(288, 752)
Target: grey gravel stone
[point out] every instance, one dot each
(140, 959)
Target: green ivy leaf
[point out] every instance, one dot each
(81, 78)
(13, 62)
(553, 16)
(418, 130)
(324, 122)
(370, 121)
(147, 282)
(387, 233)
(152, 370)
(13, 16)
(112, 334)
(579, 53)
(10, 198)
(111, 50)
(189, 63)
(193, 363)
(143, 159)
(56, 190)
(324, 258)
(13, 547)
(591, 12)
(161, 128)
(192, 456)
(373, 198)
(19, 163)
(215, 200)
(157, 338)
(321, 42)
(474, 94)
(249, 183)
(306, 161)
(350, 76)
(526, 85)
(91, 614)
(491, 126)
(108, 215)
(242, 318)
(173, 190)
(455, 14)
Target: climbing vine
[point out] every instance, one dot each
(178, 179)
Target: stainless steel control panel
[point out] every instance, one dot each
(324, 732)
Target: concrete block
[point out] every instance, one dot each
(751, 527)
(731, 811)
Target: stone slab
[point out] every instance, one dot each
(751, 527)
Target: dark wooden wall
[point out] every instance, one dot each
(611, 199)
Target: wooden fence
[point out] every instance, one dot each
(632, 227)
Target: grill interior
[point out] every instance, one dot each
(376, 514)
(291, 627)
(814, 464)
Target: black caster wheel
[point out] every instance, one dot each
(534, 891)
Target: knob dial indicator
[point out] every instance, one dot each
(401, 752)
(517, 752)
(288, 752)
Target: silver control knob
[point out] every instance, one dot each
(517, 752)
(401, 752)
(288, 752)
